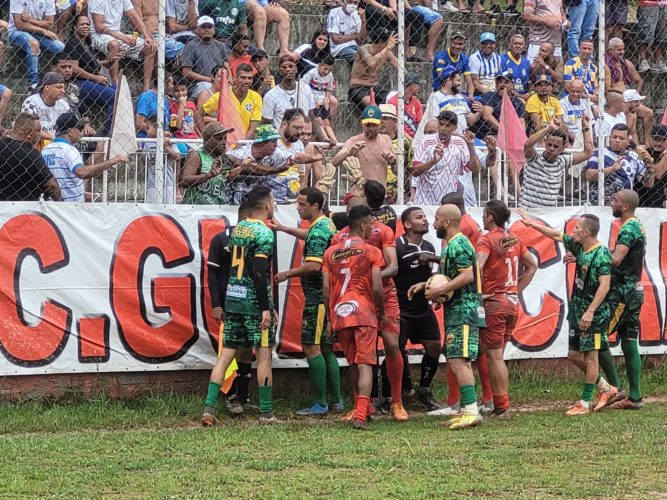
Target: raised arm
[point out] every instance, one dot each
(547, 231)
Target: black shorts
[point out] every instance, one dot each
(320, 112)
(356, 94)
(418, 329)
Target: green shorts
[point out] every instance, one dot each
(314, 325)
(462, 341)
(587, 341)
(242, 330)
(625, 302)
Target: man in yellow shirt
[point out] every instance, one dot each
(543, 107)
(247, 102)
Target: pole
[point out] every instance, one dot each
(601, 102)
(159, 151)
(400, 154)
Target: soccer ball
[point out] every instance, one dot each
(436, 280)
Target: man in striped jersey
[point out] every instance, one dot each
(543, 173)
(485, 65)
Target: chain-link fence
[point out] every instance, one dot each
(196, 70)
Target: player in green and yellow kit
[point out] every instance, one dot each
(464, 313)
(248, 304)
(588, 312)
(316, 339)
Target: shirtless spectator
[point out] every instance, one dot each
(613, 114)
(620, 75)
(369, 62)
(107, 38)
(547, 22)
(546, 63)
(181, 21)
(372, 149)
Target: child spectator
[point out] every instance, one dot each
(322, 83)
(182, 117)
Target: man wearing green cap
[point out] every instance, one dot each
(371, 148)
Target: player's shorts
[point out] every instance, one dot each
(101, 43)
(393, 313)
(625, 303)
(587, 341)
(462, 341)
(359, 344)
(242, 330)
(502, 313)
(321, 112)
(314, 324)
(419, 329)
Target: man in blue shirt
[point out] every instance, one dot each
(147, 106)
(453, 56)
(484, 65)
(514, 62)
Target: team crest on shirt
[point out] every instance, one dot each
(248, 107)
(235, 11)
(508, 241)
(344, 309)
(346, 253)
(450, 338)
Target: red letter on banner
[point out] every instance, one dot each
(94, 339)
(539, 331)
(31, 235)
(157, 235)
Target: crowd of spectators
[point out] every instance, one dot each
(218, 68)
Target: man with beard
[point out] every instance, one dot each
(546, 63)
(453, 56)
(542, 107)
(464, 314)
(389, 126)
(492, 104)
(654, 191)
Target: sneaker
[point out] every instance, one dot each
(577, 409)
(349, 416)
(398, 412)
(425, 397)
(448, 7)
(500, 413)
(268, 418)
(644, 67)
(620, 396)
(511, 11)
(495, 10)
(337, 407)
(317, 410)
(660, 67)
(234, 406)
(605, 397)
(359, 425)
(208, 418)
(486, 407)
(446, 411)
(465, 421)
(627, 404)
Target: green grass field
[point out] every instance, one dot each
(153, 448)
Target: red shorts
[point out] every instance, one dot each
(359, 344)
(501, 316)
(393, 313)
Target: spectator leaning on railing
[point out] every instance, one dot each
(48, 104)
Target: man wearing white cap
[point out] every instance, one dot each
(632, 100)
(201, 56)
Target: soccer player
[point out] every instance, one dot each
(500, 255)
(248, 304)
(625, 301)
(382, 238)
(315, 339)
(375, 194)
(220, 258)
(418, 322)
(352, 286)
(588, 312)
(464, 314)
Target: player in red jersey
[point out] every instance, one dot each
(382, 238)
(499, 254)
(352, 286)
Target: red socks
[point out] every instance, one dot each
(501, 401)
(361, 408)
(395, 376)
(483, 370)
(453, 393)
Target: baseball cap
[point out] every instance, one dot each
(487, 37)
(205, 20)
(659, 131)
(371, 114)
(67, 121)
(457, 34)
(411, 78)
(265, 133)
(543, 78)
(213, 129)
(388, 111)
(52, 78)
(632, 95)
(507, 75)
(443, 71)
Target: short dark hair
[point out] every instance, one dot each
(592, 223)
(405, 216)
(244, 67)
(259, 54)
(448, 117)
(590, 40)
(243, 207)
(293, 113)
(328, 60)
(356, 215)
(58, 58)
(258, 196)
(621, 127)
(374, 193)
(237, 38)
(499, 211)
(454, 198)
(313, 195)
(559, 133)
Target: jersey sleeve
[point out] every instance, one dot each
(474, 66)
(211, 105)
(462, 254)
(375, 257)
(387, 237)
(264, 241)
(603, 262)
(73, 159)
(626, 236)
(483, 245)
(568, 70)
(317, 242)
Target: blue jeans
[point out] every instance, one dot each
(21, 39)
(583, 18)
(92, 93)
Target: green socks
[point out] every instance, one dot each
(608, 366)
(333, 376)
(633, 365)
(265, 398)
(318, 378)
(468, 395)
(212, 396)
(587, 395)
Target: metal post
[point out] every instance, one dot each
(400, 156)
(601, 103)
(159, 152)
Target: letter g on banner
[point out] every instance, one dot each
(31, 235)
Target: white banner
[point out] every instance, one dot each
(114, 288)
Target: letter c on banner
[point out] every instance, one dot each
(31, 235)
(162, 236)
